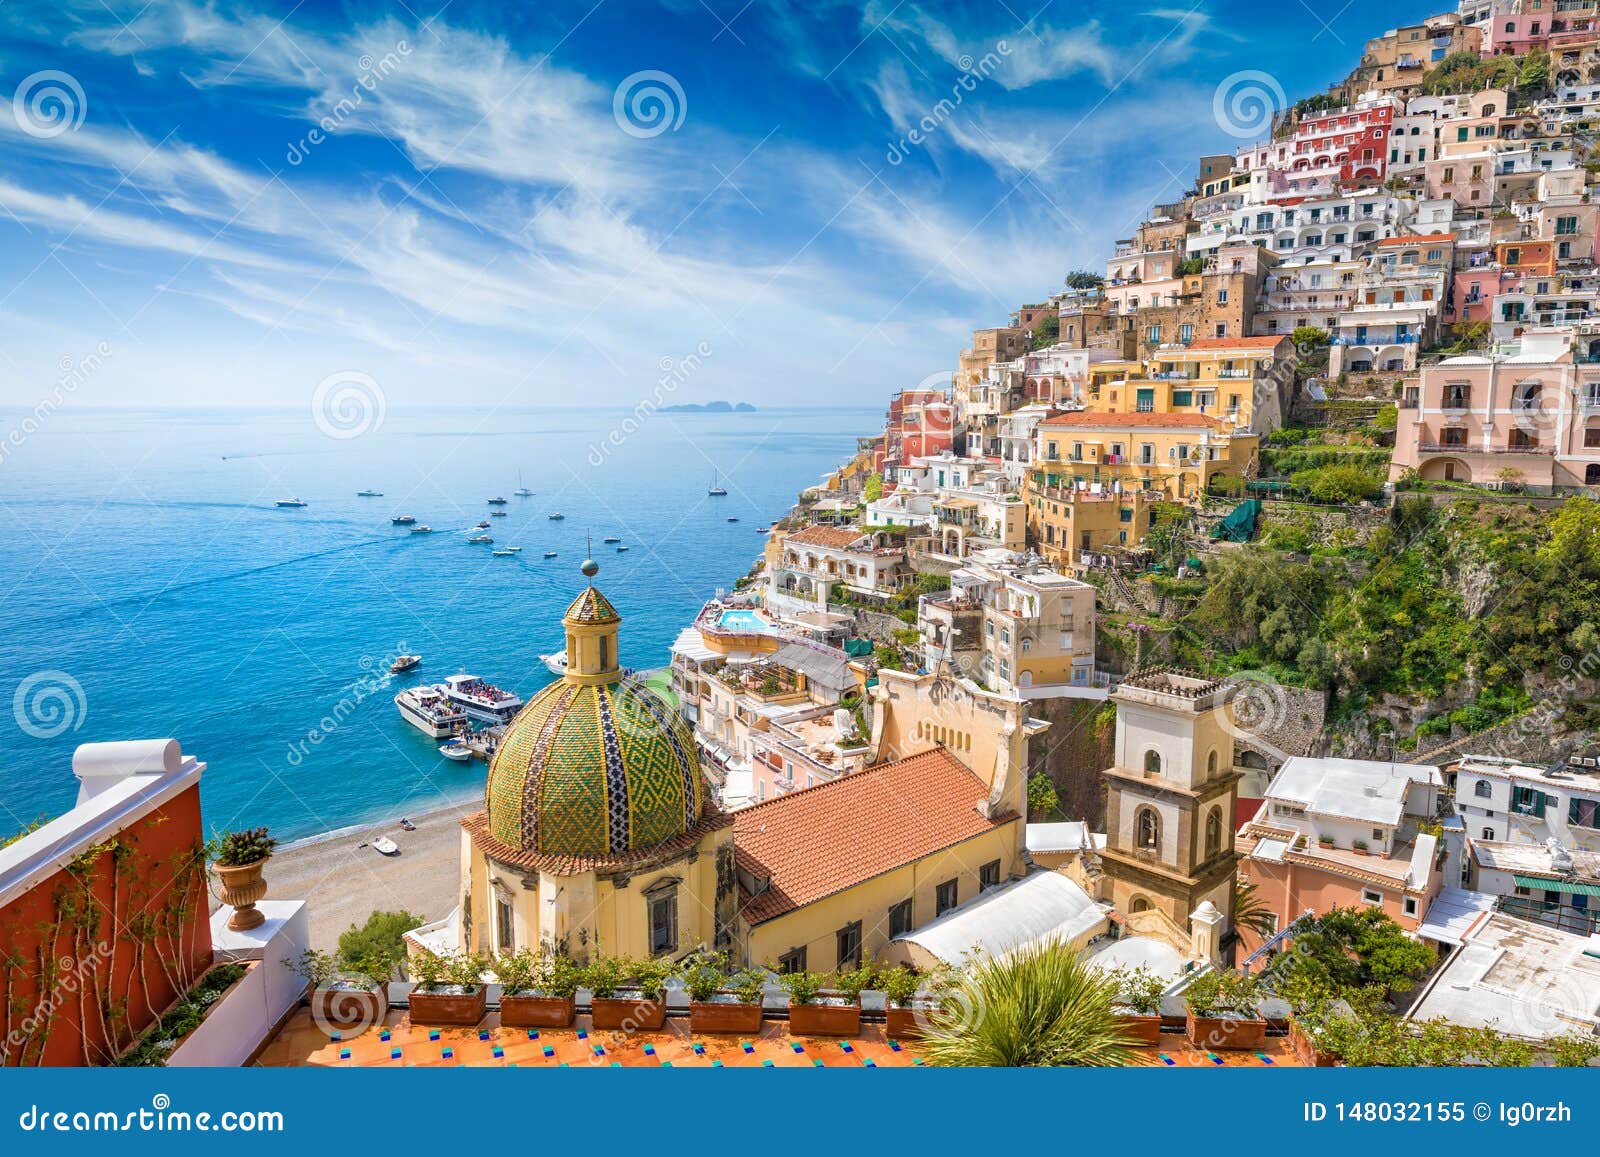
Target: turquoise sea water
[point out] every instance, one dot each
(142, 560)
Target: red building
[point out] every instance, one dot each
(920, 422)
(1355, 140)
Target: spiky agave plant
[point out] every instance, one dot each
(1039, 1005)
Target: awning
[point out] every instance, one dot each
(1570, 887)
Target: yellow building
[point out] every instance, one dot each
(1176, 455)
(1233, 379)
(1065, 521)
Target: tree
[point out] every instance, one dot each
(1043, 799)
(1047, 332)
(872, 488)
(1310, 337)
(380, 939)
(1250, 912)
(1347, 950)
(1339, 483)
(1534, 71)
(1038, 1005)
(1084, 279)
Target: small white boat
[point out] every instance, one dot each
(549, 554)
(369, 494)
(497, 501)
(498, 514)
(456, 750)
(423, 529)
(290, 502)
(513, 550)
(480, 538)
(763, 530)
(623, 549)
(403, 520)
(502, 553)
(482, 524)
(384, 846)
(404, 663)
(733, 520)
(557, 517)
(556, 661)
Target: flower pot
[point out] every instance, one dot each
(839, 1019)
(1306, 1049)
(1145, 1028)
(241, 886)
(349, 1007)
(627, 1013)
(533, 1010)
(733, 1016)
(907, 1023)
(1226, 1032)
(460, 1008)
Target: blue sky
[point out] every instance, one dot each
(233, 202)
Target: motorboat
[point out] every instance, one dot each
(384, 846)
(403, 520)
(510, 550)
(623, 549)
(718, 490)
(549, 554)
(295, 502)
(557, 517)
(481, 539)
(423, 529)
(482, 524)
(406, 825)
(482, 700)
(431, 711)
(733, 520)
(498, 514)
(610, 538)
(405, 663)
(456, 750)
(504, 553)
(763, 530)
(497, 501)
(556, 661)
(369, 494)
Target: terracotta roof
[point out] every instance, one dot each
(1087, 420)
(837, 537)
(477, 827)
(824, 839)
(1419, 239)
(1236, 343)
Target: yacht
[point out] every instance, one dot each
(423, 529)
(430, 710)
(481, 538)
(504, 552)
(621, 549)
(549, 554)
(610, 538)
(403, 520)
(404, 663)
(482, 701)
(290, 502)
(369, 494)
(718, 490)
(556, 661)
(497, 501)
(482, 524)
(498, 514)
(557, 517)
(522, 491)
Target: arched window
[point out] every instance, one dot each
(1152, 762)
(1139, 904)
(1213, 832)
(1147, 829)
(1483, 789)
(1211, 762)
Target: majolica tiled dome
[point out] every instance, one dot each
(594, 768)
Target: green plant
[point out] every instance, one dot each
(1251, 912)
(183, 1018)
(1043, 799)
(516, 972)
(852, 982)
(650, 974)
(604, 975)
(803, 987)
(1038, 1005)
(1218, 992)
(320, 968)
(898, 985)
(747, 984)
(703, 974)
(1359, 845)
(1140, 990)
(380, 940)
(235, 849)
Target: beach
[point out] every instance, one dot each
(342, 881)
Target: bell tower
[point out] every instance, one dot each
(592, 625)
(1170, 797)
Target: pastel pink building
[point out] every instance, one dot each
(1529, 416)
(1473, 293)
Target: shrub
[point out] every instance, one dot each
(898, 984)
(1222, 991)
(650, 973)
(1139, 989)
(379, 943)
(703, 975)
(605, 974)
(236, 849)
(803, 987)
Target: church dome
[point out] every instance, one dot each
(593, 766)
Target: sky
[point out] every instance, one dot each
(786, 202)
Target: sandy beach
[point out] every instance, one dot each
(343, 881)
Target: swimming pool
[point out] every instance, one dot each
(749, 622)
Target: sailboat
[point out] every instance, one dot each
(522, 491)
(718, 490)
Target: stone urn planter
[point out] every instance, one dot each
(828, 1015)
(535, 1010)
(627, 1012)
(1220, 1033)
(449, 1004)
(242, 886)
(349, 1004)
(724, 1014)
(1142, 1027)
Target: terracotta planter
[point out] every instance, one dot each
(906, 1023)
(1306, 1049)
(528, 1010)
(348, 1008)
(242, 886)
(460, 1008)
(627, 1013)
(1226, 1032)
(825, 1019)
(1142, 1027)
(730, 1016)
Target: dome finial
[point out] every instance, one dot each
(590, 568)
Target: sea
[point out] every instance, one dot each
(149, 587)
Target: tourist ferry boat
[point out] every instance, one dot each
(403, 520)
(404, 663)
(556, 661)
(482, 701)
(369, 494)
(290, 502)
(431, 711)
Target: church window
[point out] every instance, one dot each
(1152, 762)
(849, 944)
(1213, 833)
(663, 920)
(1211, 762)
(504, 928)
(1147, 826)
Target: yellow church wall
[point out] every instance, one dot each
(814, 926)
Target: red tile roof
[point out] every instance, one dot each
(1235, 343)
(837, 537)
(824, 839)
(1088, 421)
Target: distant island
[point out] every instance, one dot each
(709, 408)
